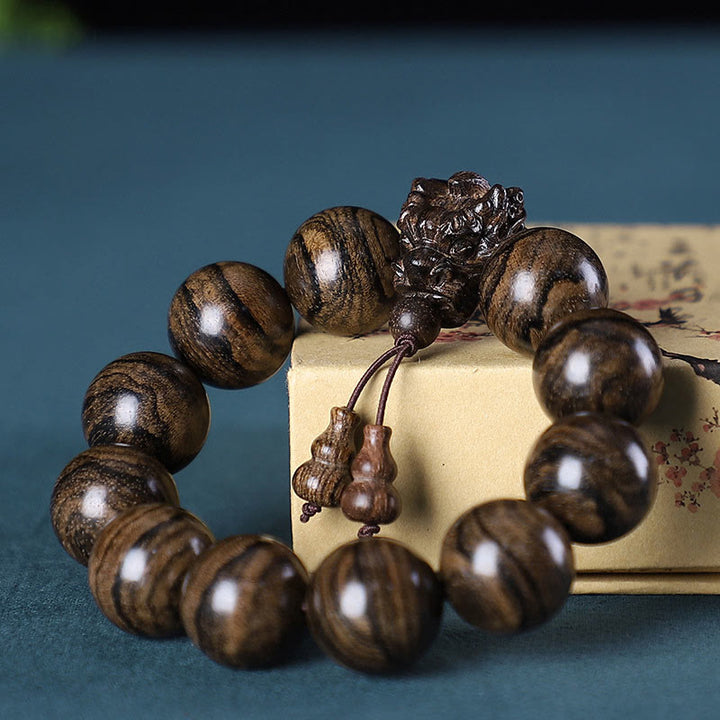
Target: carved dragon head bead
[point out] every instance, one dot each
(448, 228)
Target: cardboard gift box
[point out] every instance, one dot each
(464, 418)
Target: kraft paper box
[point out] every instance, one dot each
(464, 418)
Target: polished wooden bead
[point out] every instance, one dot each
(98, 485)
(507, 566)
(370, 498)
(338, 270)
(599, 361)
(536, 278)
(374, 606)
(150, 401)
(594, 474)
(322, 479)
(242, 600)
(138, 565)
(232, 324)
(415, 319)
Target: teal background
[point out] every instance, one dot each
(127, 164)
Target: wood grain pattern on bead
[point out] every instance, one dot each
(232, 323)
(599, 361)
(138, 565)
(98, 485)
(371, 498)
(242, 600)
(321, 479)
(150, 401)
(535, 279)
(338, 271)
(506, 565)
(374, 606)
(594, 474)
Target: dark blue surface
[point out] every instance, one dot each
(126, 165)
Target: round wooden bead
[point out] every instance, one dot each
(98, 485)
(599, 361)
(374, 606)
(594, 474)
(242, 600)
(507, 566)
(138, 565)
(232, 323)
(150, 401)
(536, 278)
(338, 270)
(415, 319)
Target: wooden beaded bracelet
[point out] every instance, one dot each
(372, 604)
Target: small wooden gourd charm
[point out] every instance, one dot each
(370, 498)
(322, 479)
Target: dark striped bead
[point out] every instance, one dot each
(150, 401)
(507, 566)
(242, 600)
(535, 279)
(138, 565)
(599, 361)
(338, 270)
(594, 474)
(98, 485)
(232, 323)
(374, 606)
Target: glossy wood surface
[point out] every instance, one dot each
(232, 324)
(599, 361)
(506, 565)
(535, 279)
(138, 565)
(338, 270)
(242, 600)
(98, 485)
(152, 402)
(374, 606)
(415, 318)
(594, 474)
(322, 479)
(371, 498)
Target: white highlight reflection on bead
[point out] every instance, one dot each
(353, 601)
(555, 545)
(93, 504)
(577, 369)
(646, 356)
(134, 564)
(524, 287)
(197, 545)
(638, 458)
(485, 559)
(224, 597)
(590, 276)
(211, 320)
(570, 473)
(327, 267)
(126, 410)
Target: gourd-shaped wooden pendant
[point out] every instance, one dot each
(371, 498)
(322, 479)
